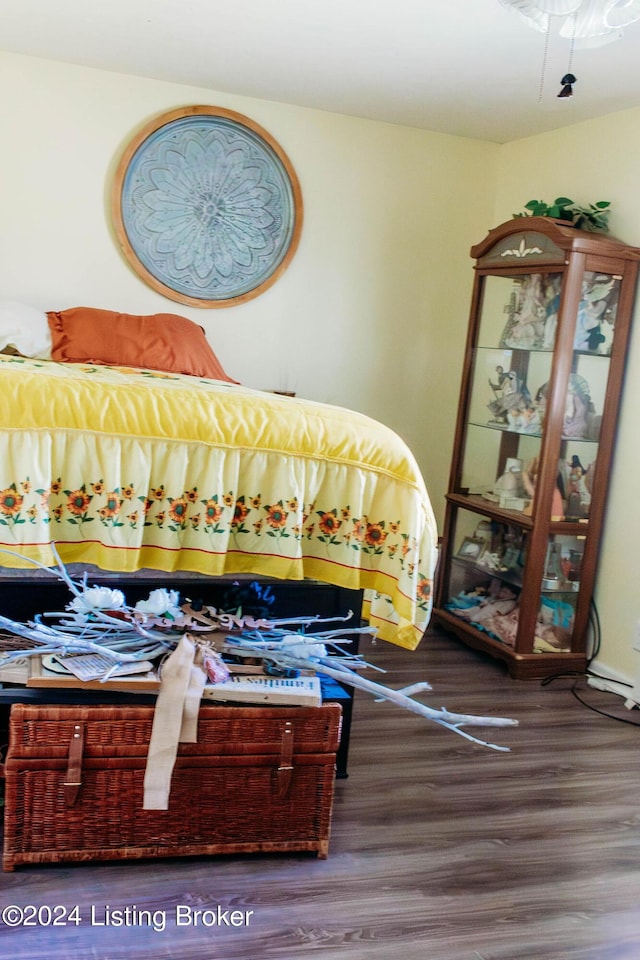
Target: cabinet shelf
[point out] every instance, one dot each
(506, 576)
(536, 425)
(503, 428)
(525, 666)
(478, 504)
(525, 351)
(543, 351)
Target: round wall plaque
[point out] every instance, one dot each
(207, 207)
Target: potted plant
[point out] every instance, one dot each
(594, 218)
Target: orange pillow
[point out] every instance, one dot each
(162, 341)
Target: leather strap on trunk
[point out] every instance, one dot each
(285, 768)
(73, 779)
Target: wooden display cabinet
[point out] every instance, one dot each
(535, 433)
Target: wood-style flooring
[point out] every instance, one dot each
(440, 849)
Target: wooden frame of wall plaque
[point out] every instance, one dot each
(207, 207)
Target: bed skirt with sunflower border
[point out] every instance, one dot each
(128, 469)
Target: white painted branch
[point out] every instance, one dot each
(64, 642)
(332, 667)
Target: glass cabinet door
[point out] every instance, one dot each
(559, 594)
(510, 382)
(511, 366)
(486, 575)
(586, 392)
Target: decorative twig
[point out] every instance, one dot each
(123, 638)
(333, 667)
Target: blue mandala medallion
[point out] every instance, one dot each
(209, 207)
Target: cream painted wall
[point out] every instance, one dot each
(371, 313)
(593, 161)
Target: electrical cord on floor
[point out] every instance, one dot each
(594, 620)
(579, 675)
(603, 713)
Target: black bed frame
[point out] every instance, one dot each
(23, 598)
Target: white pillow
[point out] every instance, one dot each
(24, 328)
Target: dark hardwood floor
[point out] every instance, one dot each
(440, 849)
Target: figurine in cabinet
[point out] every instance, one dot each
(529, 478)
(593, 309)
(533, 313)
(511, 394)
(579, 482)
(524, 419)
(580, 418)
(526, 326)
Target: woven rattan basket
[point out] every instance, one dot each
(234, 791)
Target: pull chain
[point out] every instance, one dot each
(569, 79)
(545, 55)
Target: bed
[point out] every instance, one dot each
(126, 460)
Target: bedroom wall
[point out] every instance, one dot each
(371, 313)
(591, 161)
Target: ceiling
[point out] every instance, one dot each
(464, 67)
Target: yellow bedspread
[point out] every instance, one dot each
(128, 469)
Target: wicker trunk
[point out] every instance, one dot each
(259, 779)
